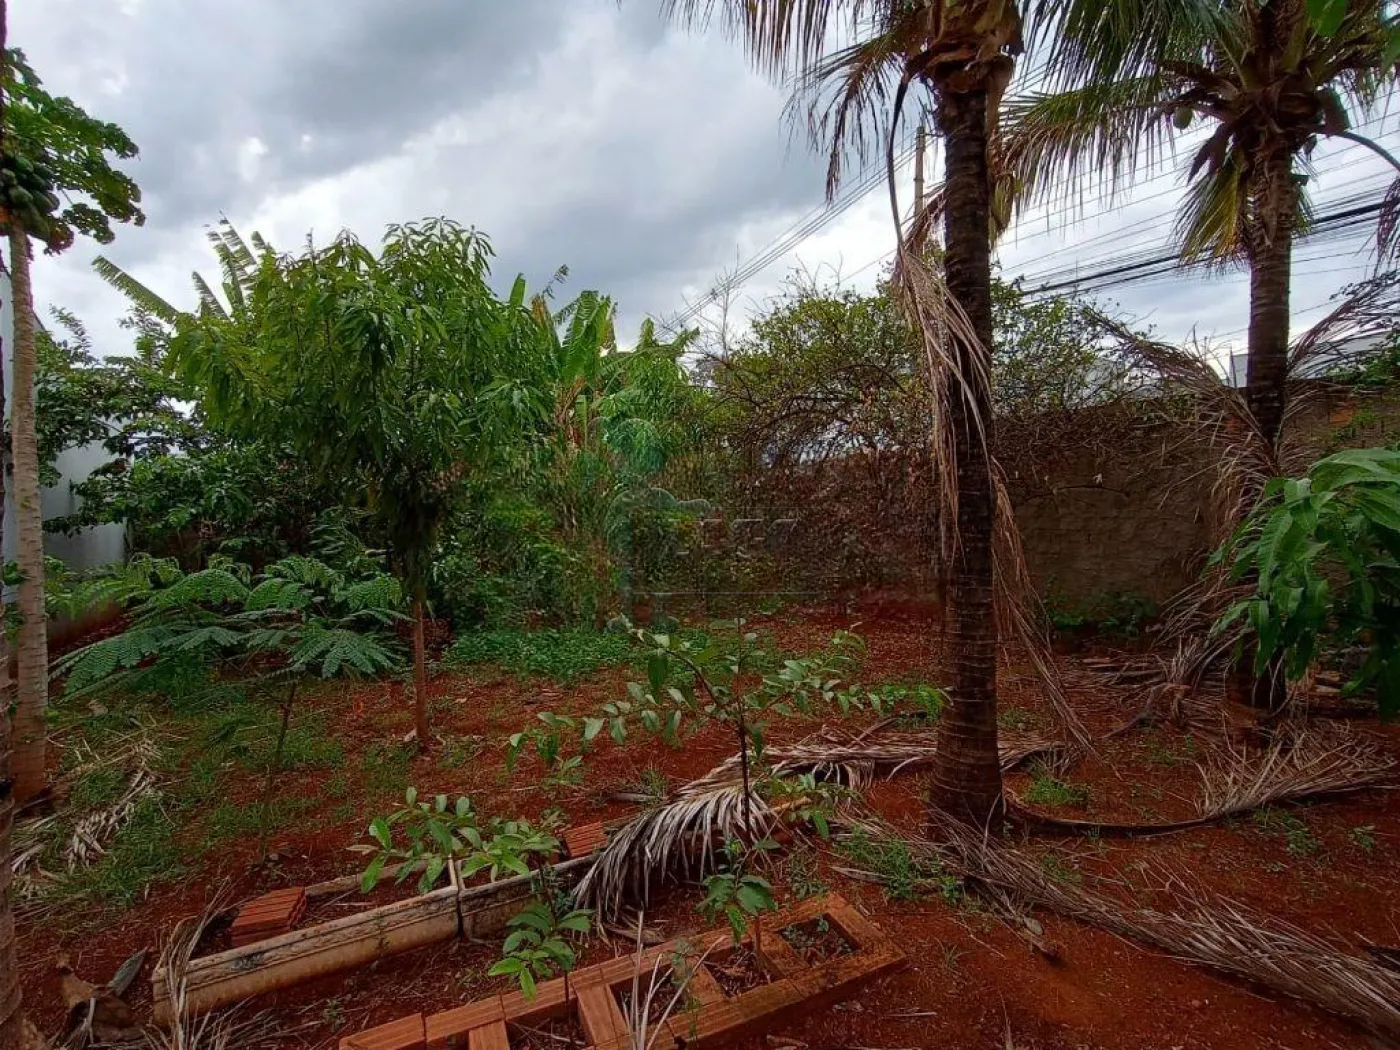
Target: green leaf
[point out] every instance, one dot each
(506, 968)
(527, 983)
(591, 728)
(379, 831)
(370, 879)
(658, 668)
(1327, 15)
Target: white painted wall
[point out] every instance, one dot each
(101, 545)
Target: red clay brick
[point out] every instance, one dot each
(583, 839)
(490, 1037)
(404, 1034)
(448, 1030)
(549, 996)
(601, 1017)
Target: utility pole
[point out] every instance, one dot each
(920, 148)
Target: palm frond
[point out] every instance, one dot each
(1090, 41)
(1100, 136)
(1212, 222)
(780, 36)
(685, 834)
(847, 98)
(141, 297)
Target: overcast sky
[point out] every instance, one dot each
(574, 132)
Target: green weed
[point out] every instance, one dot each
(1049, 790)
(96, 789)
(1363, 837)
(457, 751)
(1301, 841)
(903, 877)
(803, 875)
(1014, 718)
(1054, 865)
(385, 768)
(561, 655)
(144, 852)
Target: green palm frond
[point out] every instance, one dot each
(140, 296)
(1099, 41)
(377, 593)
(1211, 225)
(1100, 135)
(277, 594)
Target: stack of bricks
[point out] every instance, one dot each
(271, 914)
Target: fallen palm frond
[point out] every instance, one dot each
(686, 833)
(1211, 932)
(87, 843)
(856, 760)
(209, 1031)
(1307, 764)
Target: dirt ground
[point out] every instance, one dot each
(971, 981)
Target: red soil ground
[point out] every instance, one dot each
(971, 982)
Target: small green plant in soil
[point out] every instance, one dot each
(1014, 718)
(1049, 790)
(538, 946)
(738, 895)
(438, 832)
(1054, 865)
(563, 656)
(803, 875)
(1363, 837)
(817, 940)
(1295, 831)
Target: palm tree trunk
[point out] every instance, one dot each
(1270, 276)
(967, 772)
(1271, 259)
(420, 674)
(31, 680)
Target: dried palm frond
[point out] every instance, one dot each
(1306, 764)
(209, 1031)
(857, 759)
(87, 843)
(1209, 931)
(686, 834)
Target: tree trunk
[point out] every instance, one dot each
(967, 772)
(275, 767)
(13, 1030)
(1271, 258)
(1266, 384)
(420, 675)
(32, 676)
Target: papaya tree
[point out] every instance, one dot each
(56, 183)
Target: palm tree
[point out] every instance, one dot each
(960, 54)
(1269, 84)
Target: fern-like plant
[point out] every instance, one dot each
(299, 619)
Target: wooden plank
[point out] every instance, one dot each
(490, 1037)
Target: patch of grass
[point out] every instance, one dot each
(457, 751)
(1363, 837)
(1049, 790)
(1301, 841)
(563, 655)
(902, 876)
(144, 852)
(96, 789)
(802, 874)
(386, 767)
(918, 702)
(1014, 718)
(1162, 753)
(231, 820)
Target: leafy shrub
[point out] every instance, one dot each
(1324, 554)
